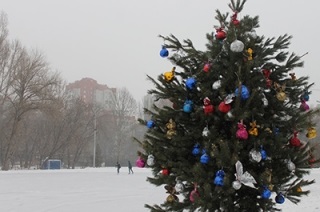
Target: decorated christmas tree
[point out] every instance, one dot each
(239, 134)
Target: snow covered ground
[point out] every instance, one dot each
(99, 189)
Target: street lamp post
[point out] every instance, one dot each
(94, 139)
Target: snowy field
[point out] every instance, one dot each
(99, 189)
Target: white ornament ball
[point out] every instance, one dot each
(179, 187)
(291, 166)
(236, 185)
(237, 46)
(205, 132)
(150, 160)
(216, 85)
(253, 34)
(255, 156)
(230, 115)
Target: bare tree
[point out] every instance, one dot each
(26, 84)
(123, 108)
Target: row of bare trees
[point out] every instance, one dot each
(40, 121)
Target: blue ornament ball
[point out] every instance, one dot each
(276, 131)
(263, 154)
(266, 193)
(196, 150)
(279, 198)
(244, 92)
(150, 124)
(305, 96)
(204, 159)
(187, 107)
(218, 180)
(164, 52)
(191, 83)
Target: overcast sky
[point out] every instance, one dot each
(116, 41)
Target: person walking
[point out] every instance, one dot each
(130, 167)
(118, 166)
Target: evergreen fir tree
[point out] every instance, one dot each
(231, 140)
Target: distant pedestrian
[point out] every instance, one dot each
(130, 167)
(118, 166)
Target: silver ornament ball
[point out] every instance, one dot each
(236, 185)
(255, 156)
(237, 46)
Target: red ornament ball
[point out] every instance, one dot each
(236, 22)
(165, 172)
(206, 67)
(224, 108)
(220, 35)
(294, 141)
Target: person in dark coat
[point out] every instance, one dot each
(130, 167)
(118, 167)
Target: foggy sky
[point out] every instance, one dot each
(116, 41)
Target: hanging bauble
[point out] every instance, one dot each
(263, 153)
(165, 172)
(242, 133)
(196, 149)
(304, 106)
(234, 19)
(279, 198)
(294, 141)
(253, 34)
(194, 195)
(172, 198)
(205, 132)
(204, 159)
(255, 156)
(254, 128)
(312, 133)
(208, 108)
(250, 54)
(230, 115)
(171, 126)
(293, 76)
(191, 83)
(164, 52)
(236, 185)
(140, 162)
(281, 95)
(237, 46)
(150, 160)
(291, 166)
(265, 101)
(236, 22)
(218, 180)
(305, 96)
(188, 106)
(179, 186)
(244, 92)
(266, 193)
(220, 34)
(266, 73)
(169, 75)
(216, 85)
(223, 107)
(276, 130)
(206, 67)
(150, 124)
(299, 189)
